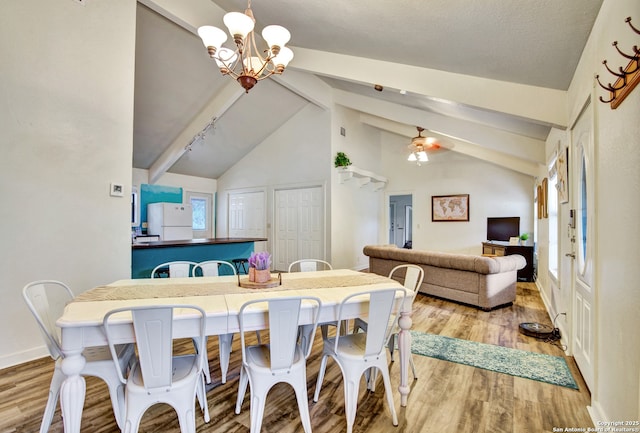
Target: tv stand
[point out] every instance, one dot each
(499, 248)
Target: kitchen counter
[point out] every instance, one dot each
(193, 242)
(148, 255)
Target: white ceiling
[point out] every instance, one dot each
(513, 49)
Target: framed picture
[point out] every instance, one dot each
(563, 176)
(450, 207)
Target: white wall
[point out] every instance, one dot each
(493, 191)
(61, 151)
(355, 212)
(617, 174)
(297, 154)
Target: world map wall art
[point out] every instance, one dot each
(450, 207)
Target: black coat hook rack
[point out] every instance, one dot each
(627, 78)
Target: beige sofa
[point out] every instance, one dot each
(486, 282)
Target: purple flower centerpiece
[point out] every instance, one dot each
(259, 267)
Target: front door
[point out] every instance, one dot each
(582, 188)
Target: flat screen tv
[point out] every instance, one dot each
(502, 228)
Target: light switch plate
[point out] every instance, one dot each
(117, 190)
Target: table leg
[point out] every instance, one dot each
(404, 347)
(72, 391)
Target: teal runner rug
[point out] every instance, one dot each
(521, 363)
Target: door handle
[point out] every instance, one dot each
(572, 255)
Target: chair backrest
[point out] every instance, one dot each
(46, 300)
(153, 328)
(380, 308)
(177, 269)
(412, 278)
(309, 265)
(284, 318)
(210, 268)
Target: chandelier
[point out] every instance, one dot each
(246, 64)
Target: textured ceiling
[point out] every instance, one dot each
(532, 42)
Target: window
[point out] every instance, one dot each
(552, 206)
(135, 213)
(199, 206)
(202, 213)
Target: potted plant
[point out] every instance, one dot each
(341, 160)
(259, 267)
(524, 237)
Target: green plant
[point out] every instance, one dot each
(524, 236)
(342, 160)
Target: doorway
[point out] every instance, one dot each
(401, 220)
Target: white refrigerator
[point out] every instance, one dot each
(171, 221)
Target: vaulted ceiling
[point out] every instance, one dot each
(487, 78)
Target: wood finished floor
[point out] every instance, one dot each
(446, 398)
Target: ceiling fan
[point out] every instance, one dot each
(419, 146)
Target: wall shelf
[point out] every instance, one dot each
(362, 177)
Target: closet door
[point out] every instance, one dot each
(247, 217)
(299, 225)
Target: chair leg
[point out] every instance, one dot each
(201, 393)
(52, 401)
(116, 393)
(351, 387)
(389, 394)
(242, 389)
(224, 345)
(257, 408)
(205, 368)
(186, 420)
(392, 345)
(323, 366)
(303, 405)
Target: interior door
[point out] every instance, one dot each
(247, 218)
(299, 225)
(582, 189)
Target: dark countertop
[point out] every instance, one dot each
(195, 242)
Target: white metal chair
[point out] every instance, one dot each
(413, 277)
(46, 300)
(210, 268)
(158, 376)
(177, 269)
(282, 360)
(356, 353)
(182, 269)
(308, 265)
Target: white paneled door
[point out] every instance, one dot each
(582, 189)
(247, 216)
(299, 225)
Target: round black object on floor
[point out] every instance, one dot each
(536, 330)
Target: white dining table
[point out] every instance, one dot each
(221, 298)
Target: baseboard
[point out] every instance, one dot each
(14, 359)
(596, 413)
(552, 313)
